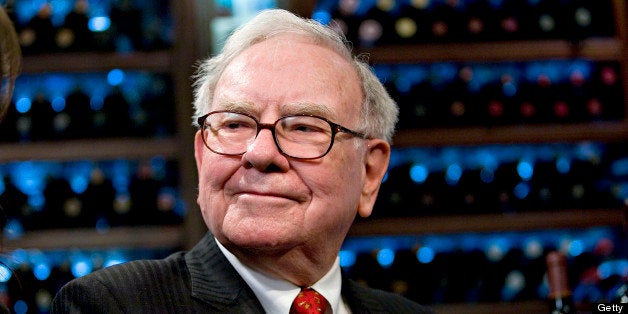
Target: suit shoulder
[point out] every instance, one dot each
(127, 286)
(141, 271)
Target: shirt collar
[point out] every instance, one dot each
(276, 295)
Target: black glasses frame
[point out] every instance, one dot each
(335, 129)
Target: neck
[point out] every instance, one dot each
(295, 266)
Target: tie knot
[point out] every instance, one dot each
(308, 301)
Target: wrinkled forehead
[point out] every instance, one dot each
(291, 69)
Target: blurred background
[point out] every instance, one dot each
(512, 142)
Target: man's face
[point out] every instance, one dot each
(262, 199)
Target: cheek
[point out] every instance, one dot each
(211, 184)
(338, 188)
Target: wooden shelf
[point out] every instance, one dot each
(602, 49)
(90, 149)
(559, 219)
(128, 237)
(598, 131)
(158, 61)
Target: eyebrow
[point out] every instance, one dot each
(303, 108)
(238, 106)
(312, 109)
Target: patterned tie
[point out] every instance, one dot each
(308, 302)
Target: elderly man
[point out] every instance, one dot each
(293, 144)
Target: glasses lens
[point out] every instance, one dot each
(228, 132)
(303, 136)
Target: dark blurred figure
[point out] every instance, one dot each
(10, 56)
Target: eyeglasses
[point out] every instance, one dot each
(297, 136)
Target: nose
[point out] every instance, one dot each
(264, 155)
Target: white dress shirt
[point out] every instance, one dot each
(276, 295)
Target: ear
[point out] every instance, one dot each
(199, 146)
(376, 164)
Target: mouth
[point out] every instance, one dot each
(267, 196)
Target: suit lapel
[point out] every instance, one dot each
(215, 282)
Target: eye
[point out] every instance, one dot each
(304, 125)
(232, 122)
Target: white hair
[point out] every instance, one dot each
(379, 110)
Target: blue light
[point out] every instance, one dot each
(81, 267)
(576, 247)
(42, 271)
(521, 190)
(453, 174)
(115, 77)
(113, 262)
(5, 273)
(563, 165)
(418, 173)
(23, 105)
(99, 23)
(37, 200)
(509, 89)
(525, 170)
(347, 258)
(487, 175)
(383, 179)
(619, 167)
(13, 229)
(78, 174)
(96, 102)
(20, 307)
(102, 225)
(29, 177)
(613, 267)
(322, 17)
(58, 104)
(385, 257)
(425, 255)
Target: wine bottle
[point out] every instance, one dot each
(113, 120)
(412, 24)
(14, 203)
(423, 107)
(79, 113)
(480, 22)
(98, 199)
(606, 88)
(144, 192)
(549, 19)
(41, 114)
(126, 24)
(369, 272)
(499, 101)
(447, 21)
(74, 34)
(560, 297)
(509, 21)
(62, 208)
(404, 279)
(38, 36)
(461, 99)
(395, 193)
(345, 20)
(8, 126)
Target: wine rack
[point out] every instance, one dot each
(132, 55)
(438, 60)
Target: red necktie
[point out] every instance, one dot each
(308, 302)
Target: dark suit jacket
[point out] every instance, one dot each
(199, 281)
